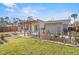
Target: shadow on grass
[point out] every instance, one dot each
(3, 41)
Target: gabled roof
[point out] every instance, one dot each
(31, 21)
(64, 20)
(57, 21)
(52, 22)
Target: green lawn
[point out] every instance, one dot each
(3, 33)
(28, 46)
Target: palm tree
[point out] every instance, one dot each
(74, 16)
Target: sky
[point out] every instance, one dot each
(43, 11)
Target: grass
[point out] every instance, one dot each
(27, 46)
(3, 33)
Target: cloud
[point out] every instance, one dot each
(29, 11)
(32, 11)
(10, 7)
(9, 10)
(15, 10)
(60, 14)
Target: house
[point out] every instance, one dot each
(57, 26)
(37, 27)
(33, 27)
(54, 27)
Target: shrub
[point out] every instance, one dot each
(77, 39)
(1, 42)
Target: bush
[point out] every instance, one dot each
(77, 39)
(1, 42)
(5, 40)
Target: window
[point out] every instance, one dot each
(65, 27)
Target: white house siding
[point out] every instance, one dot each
(32, 28)
(40, 27)
(54, 28)
(41, 24)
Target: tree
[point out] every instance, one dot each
(74, 16)
(29, 18)
(7, 20)
(1, 20)
(20, 25)
(18, 21)
(2, 24)
(15, 23)
(24, 27)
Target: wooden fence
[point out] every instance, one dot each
(8, 29)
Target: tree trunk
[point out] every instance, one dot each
(24, 30)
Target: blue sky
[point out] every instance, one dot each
(44, 11)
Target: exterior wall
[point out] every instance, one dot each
(33, 27)
(41, 24)
(65, 23)
(65, 26)
(54, 28)
(30, 27)
(58, 26)
(40, 28)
